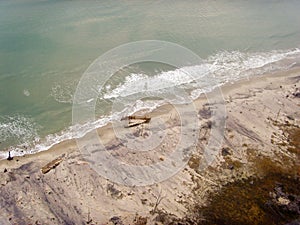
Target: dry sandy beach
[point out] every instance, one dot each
(254, 178)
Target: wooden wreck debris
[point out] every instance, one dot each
(136, 120)
(9, 158)
(51, 165)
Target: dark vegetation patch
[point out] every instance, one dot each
(255, 200)
(271, 197)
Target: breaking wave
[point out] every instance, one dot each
(216, 70)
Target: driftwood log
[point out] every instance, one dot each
(136, 120)
(51, 165)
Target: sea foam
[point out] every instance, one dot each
(216, 70)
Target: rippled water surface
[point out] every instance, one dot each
(45, 46)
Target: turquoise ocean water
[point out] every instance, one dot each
(46, 45)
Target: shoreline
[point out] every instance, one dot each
(280, 66)
(165, 108)
(251, 107)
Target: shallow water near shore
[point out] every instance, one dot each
(45, 46)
